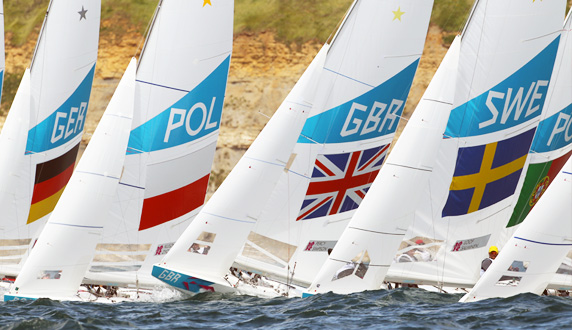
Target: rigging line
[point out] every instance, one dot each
(143, 41)
(263, 114)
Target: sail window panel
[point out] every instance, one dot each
(199, 248)
(118, 258)
(281, 250)
(358, 266)
(123, 247)
(564, 269)
(15, 242)
(10, 261)
(12, 252)
(519, 266)
(252, 252)
(50, 275)
(509, 281)
(206, 237)
(417, 249)
(114, 269)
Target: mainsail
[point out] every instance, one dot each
(179, 93)
(61, 76)
(550, 151)
(338, 122)
(506, 55)
(57, 264)
(346, 138)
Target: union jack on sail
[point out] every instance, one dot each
(340, 181)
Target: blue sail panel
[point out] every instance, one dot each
(370, 115)
(516, 100)
(194, 116)
(65, 123)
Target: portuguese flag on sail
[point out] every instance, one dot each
(538, 178)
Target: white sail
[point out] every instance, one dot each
(12, 141)
(356, 89)
(344, 141)
(230, 214)
(180, 88)
(2, 46)
(550, 151)
(531, 257)
(410, 164)
(495, 68)
(57, 264)
(505, 69)
(61, 76)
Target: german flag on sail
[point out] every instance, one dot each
(486, 174)
(538, 178)
(51, 179)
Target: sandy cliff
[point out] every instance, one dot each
(262, 73)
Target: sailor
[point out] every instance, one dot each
(421, 253)
(493, 253)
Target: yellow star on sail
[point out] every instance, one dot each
(207, 2)
(398, 14)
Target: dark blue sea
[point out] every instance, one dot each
(396, 309)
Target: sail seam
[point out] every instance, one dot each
(232, 219)
(130, 185)
(443, 102)
(543, 243)
(266, 162)
(80, 226)
(410, 167)
(377, 232)
(350, 78)
(402, 56)
(99, 174)
(163, 86)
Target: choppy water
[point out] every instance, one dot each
(397, 309)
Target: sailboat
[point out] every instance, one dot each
(179, 92)
(548, 226)
(334, 126)
(504, 66)
(57, 264)
(532, 256)
(59, 86)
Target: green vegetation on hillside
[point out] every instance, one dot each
(22, 17)
(292, 20)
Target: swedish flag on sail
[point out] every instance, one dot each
(486, 174)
